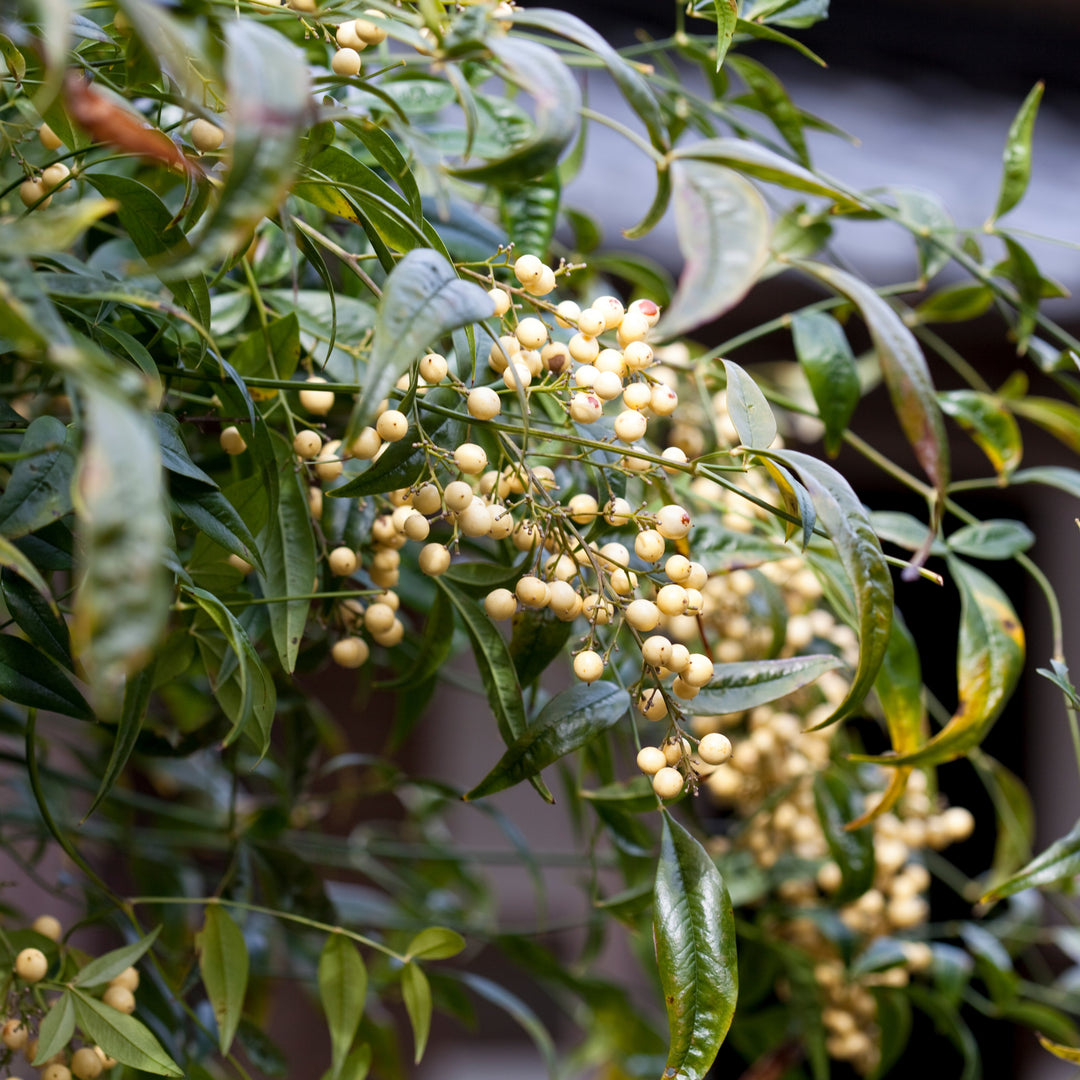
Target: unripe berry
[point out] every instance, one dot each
(714, 748)
(14, 1034)
(532, 592)
(232, 442)
(656, 650)
(588, 666)
(433, 368)
(544, 284)
(642, 615)
(350, 652)
(531, 333)
(206, 136)
(48, 926)
(566, 314)
(342, 561)
(649, 545)
(434, 559)
(528, 268)
(591, 323)
(457, 495)
(651, 705)
(120, 998)
(583, 349)
(668, 782)
(673, 522)
(650, 760)
(630, 426)
(306, 444)
(500, 604)
(85, 1064)
(31, 965)
(49, 139)
(583, 508)
(392, 425)
(586, 408)
(317, 402)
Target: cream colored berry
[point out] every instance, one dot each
(583, 349)
(474, 520)
(649, 545)
(607, 386)
(585, 376)
(656, 650)
(378, 618)
(673, 521)
(14, 1034)
(346, 62)
(649, 309)
(517, 374)
(317, 402)
(342, 561)
(457, 495)
(699, 670)
(683, 690)
(55, 175)
(392, 635)
(501, 522)
(630, 426)
(350, 652)
(347, 37)
(531, 333)
(31, 965)
(668, 782)
(637, 356)
(206, 136)
(637, 396)
(85, 1064)
(675, 455)
(583, 508)
(565, 601)
(650, 760)
(714, 748)
(663, 400)
(470, 459)
(554, 357)
(591, 323)
(671, 599)
(433, 368)
(532, 592)
(679, 658)
(232, 442)
(597, 609)
(652, 705)
(366, 445)
(528, 268)
(48, 926)
(32, 193)
(675, 750)
(501, 299)
(611, 308)
(416, 526)
(328, 465)
(697, 577)
(544, 284)
(618, 512)
(427, 500)
(633, 327)
(642, 615)
(586, 408)
(369, 28)
(614, 554)
(120, 998)
(106, 1061)
(566, 314)
(483, 403)
(678, 568)
(307, 444)
(588, 665)
(49, 139)
(959, 822)
(500, 604)
(392, 425)
(56, 1072)
(623, 582)
(434, 559)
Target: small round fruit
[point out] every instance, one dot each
(206, 136)
(583, 508)
(650, 760)
(959, 823)
(532, 592)
(607, 386)
(544, 284)
(350, 652)
(649, 545)
(683, 690)
(501, 299)
(232, 442)
(642, 615)
(55, 175)
(591, 323)
(434, 559)
(668, 782)
(48, 926)
(56, 1072)
(31, 965)
(366, 445)
(368, 28)
(633, 327)
(416, 526)
(583, 349)
(532, 333)
(611, 308)
(328, 464)
(347, 37)
(656, 650)
(317, 402)
(49, 139)
(673, 522)
(31, 191)
(306, 445)
(588, 666)
(586, 408)
(663, 400)
(474, 520)
(678, 568)
(528, 268)
(120, 998)
(637, 356)
(630, 425)
(652, 705)
(714, 748)
(433, 368)
(500, 604)
(14, 1034)
(618, 512)
(342, 561)
(392, 425)
(699, 670)
(470, 459)
(85, 1064)
(648, 308)
(346, 62)
(128, 979)
(566, 314)
(378, 618)
(457, 495)
(671, 599)
(427, 500)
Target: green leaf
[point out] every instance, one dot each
(288, 549)
(355, 1067)
(39, 490)
(130, 725)
(904, 369)
(768, 94)
(215, 516)
(955, 303)
(727, 16)
(767, 33)
(990, 658)
(634, 796)
(567, 722)
(860, 553)
(1015, 817)
(540, 72)
(223, 964)
(694, 932)
(529, 211)
(989, 423)
(723, 229)
(272, 353)
(537, 639)
(838, 804)
(122, 1036)
(422, 300)
(1000, 538)
(342, 990)
(745, 684)
(1066, 1053)
(903, 530)
(416, 992)
(123, 602)
(894, 1020)
(928, 220)
(829, 365)
(28, 677)
(1059, 861)
(749, 411)
(435, 646)
(107, 966)
(435, 943)
(1060, 418)
(1057, 476)
(33, 611)
(56, 1029)
(1016, 164)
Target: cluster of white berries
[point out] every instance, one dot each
(25, 1014)
(36, 192)
(353, 37)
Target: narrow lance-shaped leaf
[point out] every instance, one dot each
(749, 411)
(342, 990)
(999, 538)
(723, 229)
(223, 963)
(39, 490)
(1016, 163)
(837, 805)
(56, 1029)
(727, 15)
(904, 369)
(694, 932)
(31, 605)
(107, 966)
(860, 553)
(28, 677)
(1066, 1053)
(992, 427)
(416, 992)
(435, 943)
(567, 722)
(423, 298)
(989, 660)
(822, 349)
(1059, 861)
(746, 684)
(121, 1036)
